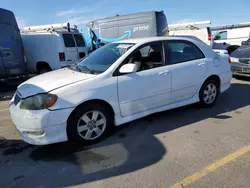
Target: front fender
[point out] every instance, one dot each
(73, 95)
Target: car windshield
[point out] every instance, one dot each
(247, 42)
(100, 60)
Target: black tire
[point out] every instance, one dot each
(203, 97)
(72, 124)
(43, 69)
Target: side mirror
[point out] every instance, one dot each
(102, 44)
(128, 68)
(243, 42)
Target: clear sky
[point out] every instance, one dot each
(34, 12)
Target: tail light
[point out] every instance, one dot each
(209, 34)
(229, 60)
(62, 56)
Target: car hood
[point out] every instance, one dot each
(51, 81)
(241, 52)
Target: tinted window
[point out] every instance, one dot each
(101, 59)
(79, 41)
(182, 51)
(200, 54)
(68, 40)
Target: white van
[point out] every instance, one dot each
(52, 47)
(230, 37)
(192, 29)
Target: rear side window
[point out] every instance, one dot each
(68, 40)
(182, 51)
(199, 53)
(79, 40)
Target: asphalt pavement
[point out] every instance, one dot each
(185, 147)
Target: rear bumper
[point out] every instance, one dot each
(225, 81)
(240, 69)
(66, 64)
(15, 77)
(40, 127)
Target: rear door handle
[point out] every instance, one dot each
(201, 64)
(164, 72)
(69, 60)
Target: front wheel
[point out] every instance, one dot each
(89, 124)
(209, 93)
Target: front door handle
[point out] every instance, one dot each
(201, 64)
(164, 72)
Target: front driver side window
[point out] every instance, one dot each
(221, 36)
(147, 57)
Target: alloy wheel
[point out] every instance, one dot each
(91, 125)
(210, 93)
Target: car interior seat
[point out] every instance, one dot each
(137, 59)
(154, 60)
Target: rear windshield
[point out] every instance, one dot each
(68, 40)
(247, 42)
(79, 40)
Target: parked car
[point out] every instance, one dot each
(51, 47)
(12, 61)
(118, 83)
(240, 59)
(230, 37)
(144, 24)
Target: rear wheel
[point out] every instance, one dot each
(89, 124)
(209, 93)
(43, 68)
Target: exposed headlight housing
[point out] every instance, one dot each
(38, 102)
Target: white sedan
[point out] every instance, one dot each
(118, 83)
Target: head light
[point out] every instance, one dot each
(233, 59)
(38, 102)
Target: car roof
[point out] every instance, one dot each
(152, 39)
(207, 50)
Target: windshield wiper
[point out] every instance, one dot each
(74, 67)
(89, 70)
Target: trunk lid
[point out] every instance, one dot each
(242, 52)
